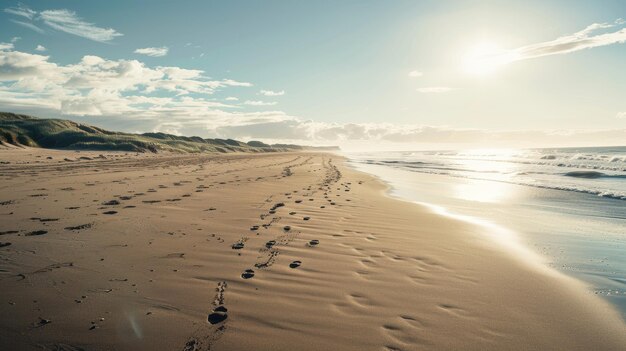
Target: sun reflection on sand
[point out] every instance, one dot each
(504, 237)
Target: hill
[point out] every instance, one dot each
(23, 130)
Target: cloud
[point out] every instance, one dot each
(40, 48)
(15, 39)
(62, 20)
(594, 35)
(415, 74)
(621, 115)
(130, 95)
(96, 86)
(378, 134)
(29, 26)
(259, 103)
(154, 52)
(67, 21)
(434, 89)
(21, 10)
(231, 98)
(272, 93)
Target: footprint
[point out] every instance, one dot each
(191, 345)
(295, 264)
(79, 227)
(218, 315)
(313, 242)
(247, 274)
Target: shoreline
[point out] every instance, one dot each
(409, 278)
(510, 242)
(510, 235)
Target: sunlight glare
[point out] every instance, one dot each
(485, 58)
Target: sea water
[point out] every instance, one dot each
(566, 204)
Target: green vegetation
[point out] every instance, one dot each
(23, 130)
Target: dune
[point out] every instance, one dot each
(24, 130)
(265, 251)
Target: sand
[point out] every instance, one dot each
(279, 251)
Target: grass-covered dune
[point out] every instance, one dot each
(24, 130)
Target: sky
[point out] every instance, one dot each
(359, 74)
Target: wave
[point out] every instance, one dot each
(611, 194)
(585, 174)
(464, 168)
(592, 175)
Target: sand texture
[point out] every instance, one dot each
(276, 251)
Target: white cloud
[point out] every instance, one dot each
(6, 46)
(62, 20)
(129, 95)
(15, 39)
(29, 26)
(40, 48)
(259, 103)
(154, 52)
(272, 93)
(67, 21)
(621, 115)
(377, 134)
(115, 88)
(21, 10)
(434, 89)
(585, 39)
(231, 98)
(415, 74)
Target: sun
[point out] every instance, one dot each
(485, 58)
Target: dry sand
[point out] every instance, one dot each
(134, 252)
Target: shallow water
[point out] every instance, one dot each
(576, 232)
(598, 171)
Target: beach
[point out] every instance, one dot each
(269, 251)
(564, 205)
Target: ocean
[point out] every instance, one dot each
(568, 205)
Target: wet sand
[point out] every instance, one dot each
(280, 251)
